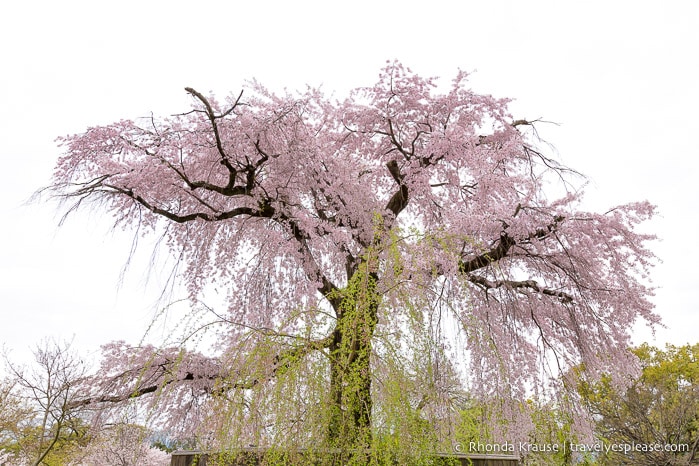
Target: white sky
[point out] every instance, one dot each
(620, 77)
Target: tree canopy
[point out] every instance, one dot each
(405, 231)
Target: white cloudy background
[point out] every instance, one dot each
(620, 79)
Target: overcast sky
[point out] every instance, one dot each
(618, 77)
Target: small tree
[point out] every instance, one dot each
(341, 235)
(40, 401)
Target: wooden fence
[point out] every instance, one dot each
(253, 457)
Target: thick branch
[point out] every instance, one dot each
(494, 255)
(264, 212)
(519, 285)
(311, 267)
(250, 171)
(505, 243)
(543, 233)
(399, 200)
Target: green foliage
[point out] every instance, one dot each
(660, 408)
(552, 437)
(298, 411)
(27, 442)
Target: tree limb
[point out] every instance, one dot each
(488, 257)
(281, 362)
(399, 199)
(519, 285)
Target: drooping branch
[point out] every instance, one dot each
(219, 382)
(265, 210)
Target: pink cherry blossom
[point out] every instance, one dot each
(438, 205)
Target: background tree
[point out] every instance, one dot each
(660, 408)
(38, 399)
(123, 444)
(335, 232)
(13, 413)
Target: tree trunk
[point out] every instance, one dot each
(350, 369)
